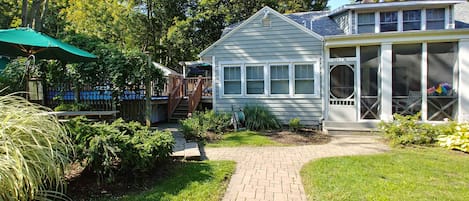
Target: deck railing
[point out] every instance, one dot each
(191, 83)
(176, 94)
(195, 95)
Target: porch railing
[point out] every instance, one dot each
(191, 84)
(176, 94)
(196, 95)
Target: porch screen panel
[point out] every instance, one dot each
(342, 52)
(441, 100)
(406, 78)
(255, 79)
(232, 79)
(342, 82)
(279, 79)
(304, 79)
(369, 66)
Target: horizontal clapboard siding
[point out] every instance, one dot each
(282, 41)
(308, 110)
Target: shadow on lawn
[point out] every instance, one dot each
(170, 178)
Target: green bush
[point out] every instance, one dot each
(458, 140)
(196, 127)
(72, 107)
(294, 124)
(34, 150)
(260, 118)
(108, 149)
(405, 130)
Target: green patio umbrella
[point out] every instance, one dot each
(26, 42)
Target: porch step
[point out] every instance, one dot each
(181, 111)
(350, 126)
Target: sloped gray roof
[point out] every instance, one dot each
(461, 12)
(321, 24)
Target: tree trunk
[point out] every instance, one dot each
(40, 18)
(24, 13)
(35, 14)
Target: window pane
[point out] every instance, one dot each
(342, 52)
(304, 86)
(232, 80)
(435, 18)
(406, 65)
(280, 87)
(412, 20)
(232, 87)
(254, 72)
(304, 79)
(366, 23)
(279, 79)
(388, 21)
(255, 87)
(279, 72)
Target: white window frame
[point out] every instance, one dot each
(267, 88)
(316, 78)
(448, 22)
(391, 22)
(365, 24)
(222, 79)
(289, 79)
(412, 21)
(444, 19)
(263, 79)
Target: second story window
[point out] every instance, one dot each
(388, 21)
(435, 18)
(366, 23)
(411, 20)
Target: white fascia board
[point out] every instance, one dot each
(396, 37)
(387, 5)
(250, 19)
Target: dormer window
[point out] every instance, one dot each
(435, 18)
(411, 20)
(388, 21)
(366, 23)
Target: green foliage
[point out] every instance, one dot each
(405, 130)
(260, 118)
(294, 124)
(33, 151)
(12, 78)
(123, 147)
(72, 107)
(459, 140)
(196, 127)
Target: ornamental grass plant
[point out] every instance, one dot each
(34, 149)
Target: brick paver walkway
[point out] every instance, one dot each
(273, 173)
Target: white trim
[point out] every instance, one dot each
(423, 23)
(326, 83)
(447, 24)
(358, 82)
(386, 81)
(423, 80)
(250, 19)
(377, 22)
(350, 22)
(267, 82)
(400, 21)
(214, 84)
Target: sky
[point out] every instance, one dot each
(333, 4)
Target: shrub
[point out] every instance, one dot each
(406, 130)
(216, 122)
(193, 127)
(33, 151)
(72, 107)
(459, 140)
(108, 149)
(260, 118)
(294, 124)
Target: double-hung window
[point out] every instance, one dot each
(254, 79)
(232, 79)
(411, 20)
(435, 18)
(366, 23)
(279, 79)
(388, 21)
(304, 78)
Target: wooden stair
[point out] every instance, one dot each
(181, 111)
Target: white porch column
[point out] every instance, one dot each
(386, 82)
(463, 61)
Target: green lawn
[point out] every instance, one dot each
(244, 138)
(195, 181)
(404, 174)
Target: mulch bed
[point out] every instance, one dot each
(303, 136)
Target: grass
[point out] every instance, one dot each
(244, 138)
(195, 181)
(404, 174)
